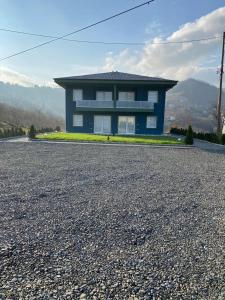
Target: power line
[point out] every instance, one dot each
(112, 43)
(79, 30)
(71, 40)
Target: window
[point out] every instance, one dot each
(153, 96)
(102, 124)
(104, 95)
(126, 125)
(126, 96)
(77, 94)
(78, 120)
(151, 122)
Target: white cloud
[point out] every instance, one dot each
(176, 61)
(10, 76)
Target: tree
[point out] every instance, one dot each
(58, 128)
(32, 132)
(223, 139)
(189, 136)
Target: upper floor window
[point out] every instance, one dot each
(77, 94)
(127, 96)
(104, 95)
(153, 96)
(78, 120)
(151, 122)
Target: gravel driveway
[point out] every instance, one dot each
(96, 222)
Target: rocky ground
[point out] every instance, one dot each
(102, 222)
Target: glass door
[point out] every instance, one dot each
(126, 125)
(102, 124)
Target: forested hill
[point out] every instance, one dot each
(41, 98)
(13, 116)
(192, 102)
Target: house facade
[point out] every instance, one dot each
(115, 103)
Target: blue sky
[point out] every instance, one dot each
(161, 19)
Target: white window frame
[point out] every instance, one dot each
(124, 96)
(148, 122)
(75, 98)
(126, 117)
(104, 98)
(102, 125)
(78, 120)
(156, 93)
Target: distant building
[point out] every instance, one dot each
(115, 103)
(172, 118)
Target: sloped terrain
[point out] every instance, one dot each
(35, 98)
(192, 102)
(11, 116)
(111, 222)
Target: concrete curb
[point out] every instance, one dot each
(12, 137)
(207, 142)
(114, 144)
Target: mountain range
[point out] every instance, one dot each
(190, 102)
(41, 98)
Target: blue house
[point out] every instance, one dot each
(115, 103)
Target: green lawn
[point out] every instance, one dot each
(104, 138)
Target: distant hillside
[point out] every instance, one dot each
(192, 102)
(12, 116)
(45, 99)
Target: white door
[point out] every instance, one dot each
(102, 124)
(126, 125)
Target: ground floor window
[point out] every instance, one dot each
(151, 122)
(126, 125)
(78, 120)
(102, 124)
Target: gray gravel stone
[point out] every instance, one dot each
(103, 222)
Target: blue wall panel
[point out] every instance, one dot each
(141, 94)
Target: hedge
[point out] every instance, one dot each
(206, 136)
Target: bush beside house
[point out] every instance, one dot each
(11, 132)
(208, 136)
(32, 132)
(189, 136)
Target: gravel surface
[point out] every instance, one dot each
(106, 222)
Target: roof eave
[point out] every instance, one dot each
(67, 81)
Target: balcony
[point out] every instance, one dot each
(135, 104)
(94, 104)
(118, 105)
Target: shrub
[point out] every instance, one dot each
(208, 136)
(223, 139)
(32, 132)
(58, 128)
(189, 136)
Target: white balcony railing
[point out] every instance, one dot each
(135, 104)
(119, 104)
(94, 104)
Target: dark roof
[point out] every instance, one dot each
(114, 76)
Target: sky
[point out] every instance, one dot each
(160, 21)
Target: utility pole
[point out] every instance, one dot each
(219, 127)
